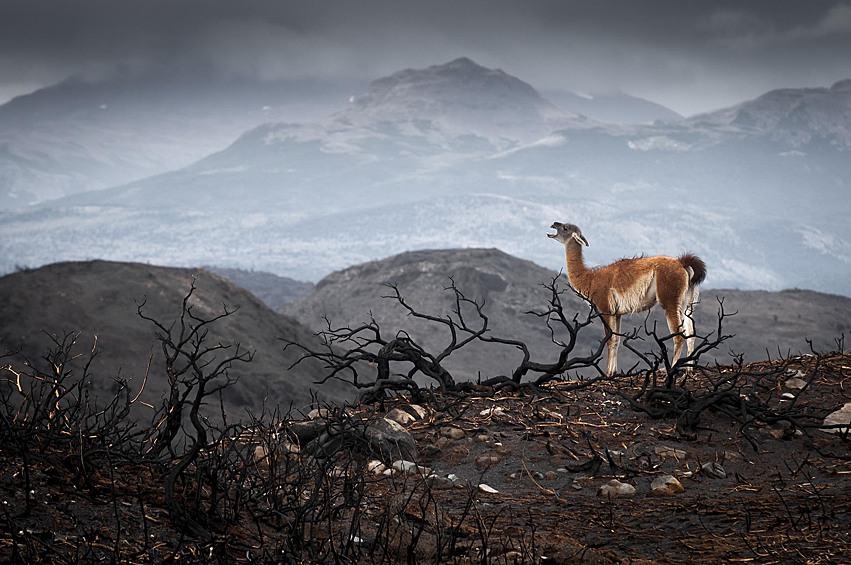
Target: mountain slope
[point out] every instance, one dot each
(78, 136)
(612, 107)
(800, 118)
(463, 97)
(99, 299)
(764, 323)
(429, 158)
(405, 128)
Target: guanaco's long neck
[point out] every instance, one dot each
(577, 272)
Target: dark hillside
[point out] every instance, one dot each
(764, 323)
(98, 298)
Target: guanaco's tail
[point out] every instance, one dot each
(697, 266)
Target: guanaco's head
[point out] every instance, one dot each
(565, 232)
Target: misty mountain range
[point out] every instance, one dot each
(453, 155)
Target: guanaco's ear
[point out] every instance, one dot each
(580, 238)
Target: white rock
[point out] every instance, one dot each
(410, 468)
(488, 489)
(376, 467)
(796, 383)
(841, 416)
(615, 489)
(666, 485)
(787, 396)
(493, 411)
(400, 416)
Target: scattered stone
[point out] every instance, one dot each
(615, 489)
(410, 468)
(488, 489)
(780, 430)
(319, 413)
(390, 441)
(416, 410)
(376, 467)
(305, 431)
(439, 482)
(575, 486)
(430, 450)
(493, 411)
(796, 383)
(666, 485)
(714, 470)
(550, 475)
(841, 416)
(488, 460)
(401, 416)
(787, 396)
(453, 433)
(664, 451)
(261, 452)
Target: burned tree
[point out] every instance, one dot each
(197, 371)
(368, 359)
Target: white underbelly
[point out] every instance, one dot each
(639, 297)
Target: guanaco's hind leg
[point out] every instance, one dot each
(676, 302)
(675, 325)
(613, 324)
(688, 322)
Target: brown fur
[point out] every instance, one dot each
(635, 285)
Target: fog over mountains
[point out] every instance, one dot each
(453, 155)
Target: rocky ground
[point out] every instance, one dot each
(753, 492)
(503, 476)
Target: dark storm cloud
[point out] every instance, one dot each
(689, 55)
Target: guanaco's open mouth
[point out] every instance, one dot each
(555, 227)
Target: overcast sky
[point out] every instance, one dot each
(691, 56)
